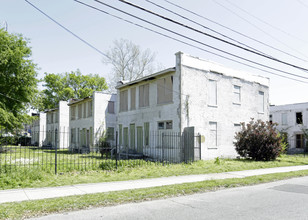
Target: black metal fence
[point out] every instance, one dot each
(161, 147)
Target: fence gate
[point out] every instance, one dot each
(192, 145)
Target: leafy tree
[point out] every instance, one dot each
(128, 61)
(62, 87)
(18, 83)
(258, 140)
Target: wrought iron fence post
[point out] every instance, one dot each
(116, 150)
(162, 148)
(56, 156)
(199, 140)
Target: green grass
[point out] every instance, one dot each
(36, 177)
(29, 209)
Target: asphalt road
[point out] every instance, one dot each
(287, 199)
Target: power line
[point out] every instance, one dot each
(75, 35)
(167, 36)
(209, 35)
(264, 22)
(201, 25)
(230, 29)
(255, 26)
(10, 97)
(212, 47)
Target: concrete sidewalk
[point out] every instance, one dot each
(17, 195)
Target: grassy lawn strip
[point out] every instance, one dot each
(28, 209)
(38, 178)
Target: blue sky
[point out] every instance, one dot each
(283, 26)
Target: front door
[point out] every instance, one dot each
(139, 140)
(132, 136)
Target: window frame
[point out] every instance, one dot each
(212, 86)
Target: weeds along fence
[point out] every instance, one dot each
(55, 156)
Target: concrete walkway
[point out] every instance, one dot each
(17, 195)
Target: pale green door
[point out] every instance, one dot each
(125, 133)
(132, 136)
(139, 140)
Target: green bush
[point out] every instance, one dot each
(258, 140)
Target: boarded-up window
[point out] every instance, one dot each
(56, 117)
(284, 118)
(133, 99)
(165, 90)
(110, 133)
(73, 135)
(236, 94)
(79, 111)
(111, 107)
(90, 109)
(73, 112)
(213, 134)
(212, 90)
(144, 95)
(85, 110)
(261, 102)
(123, 101)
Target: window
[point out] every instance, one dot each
(237, 127)
(90, 109)
(79, 111)
(146, 133)
(164, 90)
(236, 94)
(161, 125)
(299, 118)
(110, 133)
(85, 110)
(164, 125)
(213, 135)
(284, 119)
(261, 102)
(133, 99)
(144, 95)
(168, 124)
(123, 101)
(111, 107)
(73, 112)
(299, 141)
(212, 90)
(56, 117)
(73, 131)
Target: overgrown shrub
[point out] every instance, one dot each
(258, 140)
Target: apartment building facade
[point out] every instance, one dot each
(292, 120)
(90, 118)
(212, 99)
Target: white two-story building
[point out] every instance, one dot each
(90, 118)
(292, 120)
(196, 93)
(57, 126)
(38, 129)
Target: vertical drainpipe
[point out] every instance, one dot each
(179, 72)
